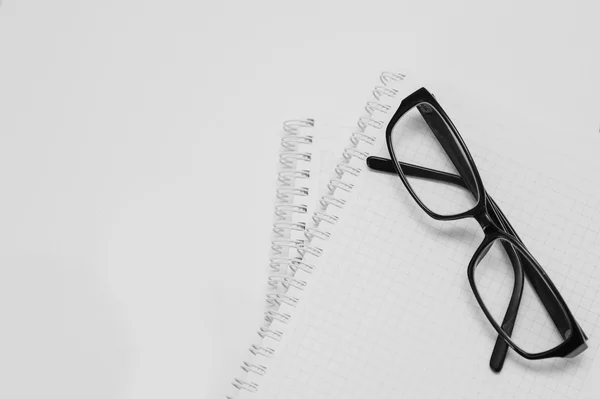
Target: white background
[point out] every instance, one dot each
(138, 153)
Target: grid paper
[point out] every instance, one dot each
(389, 312)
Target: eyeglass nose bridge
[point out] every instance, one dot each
(486, 223)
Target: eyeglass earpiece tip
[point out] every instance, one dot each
(373, 161)
(496, 364)
(498, 355)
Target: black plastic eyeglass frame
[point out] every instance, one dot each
(495, 226)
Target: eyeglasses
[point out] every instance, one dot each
(435, 166)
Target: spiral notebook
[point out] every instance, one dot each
(387, 311)
(309, 152)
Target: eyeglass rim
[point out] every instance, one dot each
(423, 95)
(572, 346)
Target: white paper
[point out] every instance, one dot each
(389, 312)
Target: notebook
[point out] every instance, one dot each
(387, 311)
(308, 153)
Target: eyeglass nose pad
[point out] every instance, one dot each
(484, 252)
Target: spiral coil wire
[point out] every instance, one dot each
(282, 211)
(288, 268)
(287, 177)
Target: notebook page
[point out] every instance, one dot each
(389, 312)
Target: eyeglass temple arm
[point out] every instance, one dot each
(508, 323)
(544, 292)
(386, 165)
(439, 127)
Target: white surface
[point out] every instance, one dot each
(388, 311)
(137, 160)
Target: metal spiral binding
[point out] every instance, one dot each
(294, 145)
(310, 249)
(353, 152)
(279, 228)
(295, 265)
(286, 282)
(289, 158)
(278, 263)
(249, 367)
(319, 217)
(341, 169)
(271, 315)
(264, 332)
(287, 177)
(277, 246)
(327, 200)
(290, 142)
(363, 122)
(336, 183)
(248, 386)
(293, 126)
(359, 136)
(261, 350)
(283, 210)
(286, 193)
(278, 299)
(312, 232)
(373, 107)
